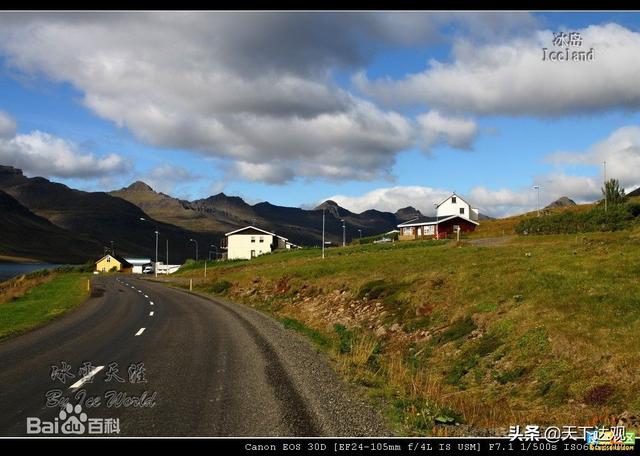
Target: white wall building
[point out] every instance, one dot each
(455, 205)
(250, 242)
(138, 264)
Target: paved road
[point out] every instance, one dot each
(215, 368)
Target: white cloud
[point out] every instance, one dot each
(495, 203)
(621, 151)
(263, 172)
(390, 199)
(166, 177)
(509, 77)
(199, 82)
(435, 128)
(39, 153)
(8, 126)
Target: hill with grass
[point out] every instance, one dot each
(221, 213)
(27, 236)
(537, 329)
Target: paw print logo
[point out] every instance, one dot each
(74, 419)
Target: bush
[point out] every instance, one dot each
(346, 338)
(458, 329)
(567, 222)
(220, 286)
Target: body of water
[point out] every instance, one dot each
(8, 270)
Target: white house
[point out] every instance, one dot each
(138, 264)
(453, 215)
(250, 242)
(456, 205)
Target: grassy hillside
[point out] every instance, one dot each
(538, 330)
(26, 236)
(506, 226)
(30, 301)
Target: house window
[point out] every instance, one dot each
(261, 238)
(253, 239)
(453, 199)
(253, 254)
(108, 259)
(462, 210)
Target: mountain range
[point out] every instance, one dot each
(50, 221)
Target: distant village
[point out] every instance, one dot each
(453, 215)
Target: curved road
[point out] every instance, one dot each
(210, 368)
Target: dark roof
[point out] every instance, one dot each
(425, 220)
(422, 219)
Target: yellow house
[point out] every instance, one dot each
(110, 263)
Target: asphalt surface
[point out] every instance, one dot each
(209, 368)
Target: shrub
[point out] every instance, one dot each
(346, 338)
(596, 219)
(220, 286)
(599, 394)
(458, 329)
(380, 289)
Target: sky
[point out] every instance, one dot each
(374, 110)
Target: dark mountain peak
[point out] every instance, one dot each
(10, 170)
(327, 204)
(138, 186)
(222, 198)
(333, 208)
(561, 202)
(407, 213)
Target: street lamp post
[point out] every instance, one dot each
(196, 242)
(537, 187)
(323, 233)
(344, 234)
(112, 251)
(437, 231)
(360, 232)
(215, 247)
(155, 267)
(605, 185)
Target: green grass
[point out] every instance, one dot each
(316, 336)
(43, 303)
(524, 330)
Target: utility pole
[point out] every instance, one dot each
(344, 234)
(112, 251)
(437, 233)
(196, 243)
(167, 254)
(155, 267)
(537, 187)
(605, 185)
(322, 233)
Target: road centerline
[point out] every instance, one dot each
(87, 377)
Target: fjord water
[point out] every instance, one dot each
(8, 270)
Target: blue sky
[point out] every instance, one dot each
(404, 112)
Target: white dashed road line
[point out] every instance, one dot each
(151, 313)
(87, 377)
(140, 331)
(151, 302)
